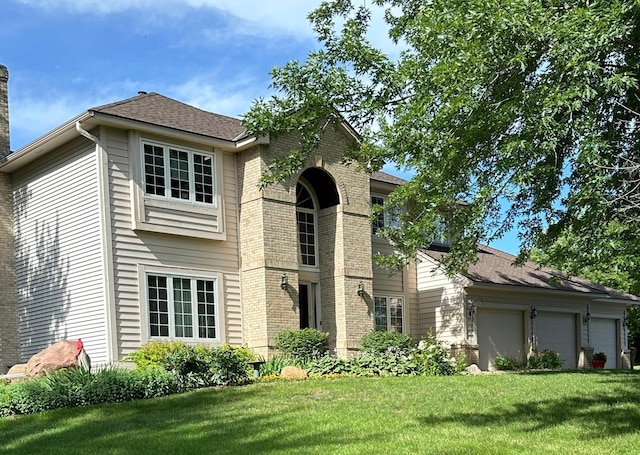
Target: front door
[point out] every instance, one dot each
(309, 306)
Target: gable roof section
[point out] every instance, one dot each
(496, 267)
(156, 109)
(383, 177)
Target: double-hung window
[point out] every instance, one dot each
(388, 312)
(182, 307)
(177, 173)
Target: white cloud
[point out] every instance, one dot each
(254, 17)
(284, 15)
(231, 97)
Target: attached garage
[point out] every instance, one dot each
(603, 337)
(499, 333)
(557, 332)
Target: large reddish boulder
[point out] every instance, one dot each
(63, 354)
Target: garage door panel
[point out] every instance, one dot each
(499, 333)
(557, 332)
(603, 337)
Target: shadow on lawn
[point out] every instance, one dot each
(604, 414)
(195, 423)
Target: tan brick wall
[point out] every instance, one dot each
(269, 247)
(9, 342)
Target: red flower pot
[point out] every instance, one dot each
(595, 364)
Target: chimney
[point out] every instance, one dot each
(4, 112)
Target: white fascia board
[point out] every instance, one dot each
(44, 144)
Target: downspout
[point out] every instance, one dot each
(87, 134)
(107, 266)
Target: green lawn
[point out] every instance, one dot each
(564, 413)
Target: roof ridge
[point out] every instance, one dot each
(123, 102)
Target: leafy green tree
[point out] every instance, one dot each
(526, 110)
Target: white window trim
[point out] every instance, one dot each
(147, 211)
(388, 221)
(176, 272)
(167, 174)
(404, 310)
(314, 212)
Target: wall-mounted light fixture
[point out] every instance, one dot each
(284, 281)
(360, 288)
(533, 313)
(625, 320)
(587, 317)
(472, 309)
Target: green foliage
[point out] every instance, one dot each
(507, 363)
(77, 387)
(274, 366)
(391, 354)
(434, 358)
(196, 366)
(599, 356)
(525, 109)
(303, 344)
(153, 353)
(382, 342)
(536, 360)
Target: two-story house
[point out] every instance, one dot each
(143, 219)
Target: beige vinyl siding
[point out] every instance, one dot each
(172, 216)
(133, 249)
(385, 282)
(440, 302)
(59, 268)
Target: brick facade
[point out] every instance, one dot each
(9, 345)
(269, 247)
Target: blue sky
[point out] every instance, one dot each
(65, 56)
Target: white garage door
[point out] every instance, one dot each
(557, 332)
(603, 337)
(499, 333)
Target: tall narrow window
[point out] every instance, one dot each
(154, 169)
(306, 217)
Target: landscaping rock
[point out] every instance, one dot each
(293, 373)
(19, 368)
(473, 369)
(63, 354)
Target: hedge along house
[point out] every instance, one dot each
(143, 219)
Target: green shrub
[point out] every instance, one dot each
(273, 366)
(228, 366)
(536, 360)
(303, 344)
(507, 363)
(434, 357)
(329, 365)
(379, 342)
(154, 353)
(196, 366)
(77, 387)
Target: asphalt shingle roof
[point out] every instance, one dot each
(496, 267)
(159, 110)
(387, 178)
